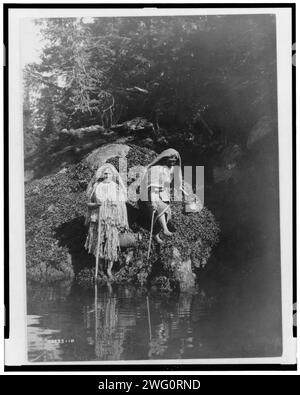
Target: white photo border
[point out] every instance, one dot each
(16, 345)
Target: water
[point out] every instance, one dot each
(231, 316)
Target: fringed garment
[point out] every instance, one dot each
(107, 220)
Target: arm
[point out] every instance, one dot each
(92, 205)
(92, 201)
(184, 192)
(154, 195)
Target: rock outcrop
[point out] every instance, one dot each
(56, 230)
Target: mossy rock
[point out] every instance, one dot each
(188, 248)
(55, 230)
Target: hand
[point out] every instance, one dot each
(93, 205)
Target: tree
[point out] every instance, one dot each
(209, 76)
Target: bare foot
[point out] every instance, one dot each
(109, 287)
(109, 274)
(158, 239)
(167, 233)
(129, 257)
(108, 271)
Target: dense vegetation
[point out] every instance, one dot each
(208, 79)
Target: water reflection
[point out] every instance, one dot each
(108, 323)
(40, 348)
(67, 323)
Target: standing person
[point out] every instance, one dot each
(107, 216)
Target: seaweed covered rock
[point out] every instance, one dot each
(171, 265)
(188, 248)
(56, 230)
(55, 207)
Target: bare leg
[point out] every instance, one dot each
(163, 222)
(109, 287)
(129, 257)
(158, 239)
(109, 267)
(101, 267)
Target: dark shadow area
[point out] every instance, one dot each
(72, 234)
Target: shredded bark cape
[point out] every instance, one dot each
(111, 216)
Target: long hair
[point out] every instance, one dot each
(100, 175)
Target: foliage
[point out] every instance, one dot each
(201, 77)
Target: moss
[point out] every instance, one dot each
(171, 265)
(136, 156)
(79, 176)
(163, 283)
(195, 236)
(49, 202)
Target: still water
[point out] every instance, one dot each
(217, 319)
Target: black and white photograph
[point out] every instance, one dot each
(152, 185)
